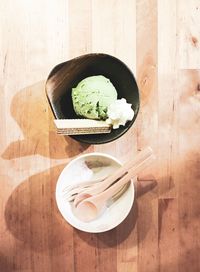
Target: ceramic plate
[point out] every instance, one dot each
(87, 168)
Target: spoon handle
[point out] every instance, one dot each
(144, 154)
(126, 178)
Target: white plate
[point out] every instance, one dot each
(77, 171)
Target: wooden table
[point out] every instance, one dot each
(160, 41)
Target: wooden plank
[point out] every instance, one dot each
(147, 130)
(188, 21)
(168, 235)
(189, 187)
(107, 251)
(109, 31)
(113, 29)
(85, 251)
(147, 227)
(167, 99)
(189, 94)
(127, 238)
(61, 243)
(80, 19)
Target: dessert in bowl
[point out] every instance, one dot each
(103, 78)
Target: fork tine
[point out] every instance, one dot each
(70, 199)
(73, 192)
(82, 184)
(69, 187)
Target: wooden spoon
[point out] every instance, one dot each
(90, 208)
(101, 186)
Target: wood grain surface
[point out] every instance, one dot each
(160, 41)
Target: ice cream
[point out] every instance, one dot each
(119, 112)
(92, 96)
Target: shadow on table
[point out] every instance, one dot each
(31, 111)
(5, 266)
(121, 233)
(32, 216)
(33, 219)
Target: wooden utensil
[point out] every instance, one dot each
(104, 184)
(88, 209)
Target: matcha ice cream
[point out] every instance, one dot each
(92, 96)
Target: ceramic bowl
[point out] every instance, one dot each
(86, 168)
(68, 74)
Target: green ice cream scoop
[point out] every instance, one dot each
(92, 96)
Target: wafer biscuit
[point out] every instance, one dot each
(81, 126)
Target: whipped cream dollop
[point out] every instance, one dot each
(119, 112)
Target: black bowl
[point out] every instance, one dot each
(68, 74)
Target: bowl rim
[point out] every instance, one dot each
(132, 188)
(130, 123)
